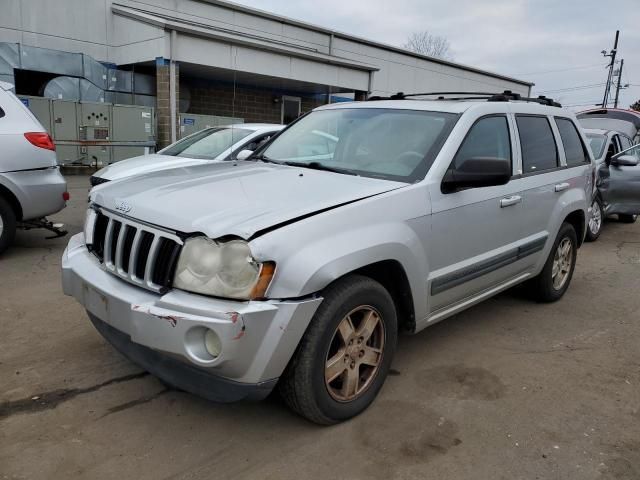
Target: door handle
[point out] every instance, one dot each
(508, 201)
(562, 186)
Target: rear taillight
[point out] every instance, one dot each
(40, 140)
(66, 196)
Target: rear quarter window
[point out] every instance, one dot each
(574, 150)
(539, 152)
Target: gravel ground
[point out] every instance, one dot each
(506, 390)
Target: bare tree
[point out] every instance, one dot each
(428, 44)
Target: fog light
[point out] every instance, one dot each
(212, 343)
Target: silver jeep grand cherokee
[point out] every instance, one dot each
(298, 268)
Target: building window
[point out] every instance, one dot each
(290, 109)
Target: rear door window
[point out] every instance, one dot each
(539, 152)
(574, 150)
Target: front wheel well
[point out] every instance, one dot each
(13, 201)
(391, 275)
(577, 220)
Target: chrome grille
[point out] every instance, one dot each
(139, 253)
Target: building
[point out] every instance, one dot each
(208, 57)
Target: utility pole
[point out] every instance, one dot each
(611, 54)
(615, 104)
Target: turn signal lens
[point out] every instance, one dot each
(40, 140)
(266, 274)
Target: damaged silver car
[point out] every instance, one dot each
(298, 268)
(618, 179)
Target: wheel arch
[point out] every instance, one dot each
(392, 276)
(9, 196)
(577, 219)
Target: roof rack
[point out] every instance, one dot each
(506, 96)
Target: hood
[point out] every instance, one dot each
(234, 198)
(146, 164)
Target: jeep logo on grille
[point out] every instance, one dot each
(123, 207)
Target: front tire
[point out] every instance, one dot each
(551, 284)
(627, 218)
(7, 225)
(596, 221)
(345, 354)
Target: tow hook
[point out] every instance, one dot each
(56, 228)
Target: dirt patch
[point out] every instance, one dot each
(461, 382)
(407, 431)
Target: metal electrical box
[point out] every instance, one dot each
(41, 109)
(131, 124)
(191, 123)
(65, 120)
(95, 115)
(95, 134)
(98, 156)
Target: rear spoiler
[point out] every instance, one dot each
(6, 86)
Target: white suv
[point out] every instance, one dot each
(31, 185)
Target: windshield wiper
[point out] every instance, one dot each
(264, 158)
(320, 166)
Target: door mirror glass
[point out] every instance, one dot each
(244, 154)
(475, 172)
(625, 161)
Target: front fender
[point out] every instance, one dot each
(312, 253)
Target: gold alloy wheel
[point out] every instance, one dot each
(562, 263)
(355, 354)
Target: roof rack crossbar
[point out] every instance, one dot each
(505, 96)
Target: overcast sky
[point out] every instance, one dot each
(554, 43)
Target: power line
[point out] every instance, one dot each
(570, 89)
(583, 67)
(595, 103)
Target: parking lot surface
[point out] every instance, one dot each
(509, 389)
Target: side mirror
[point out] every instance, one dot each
(477, 172)
(625, 161)
(244, 154)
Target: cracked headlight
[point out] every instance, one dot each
(222, 269)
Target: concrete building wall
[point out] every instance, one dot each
(90, 26)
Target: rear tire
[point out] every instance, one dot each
(7, 225)
(627, 218)
(595, 222)
(551, 284)
(340, 366)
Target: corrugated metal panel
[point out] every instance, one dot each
(9, 58)
(9, 79)
(95, 72)
(90, 93)
(121, 98)
(63, 88)
(119, 80)
(51, 61)
(144, 84)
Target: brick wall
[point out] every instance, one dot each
(253, 105)
(163, 109)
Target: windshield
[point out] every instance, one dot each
(391, 144)
(207, 144)
(597, 142)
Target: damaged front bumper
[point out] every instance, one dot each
(165, 334)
